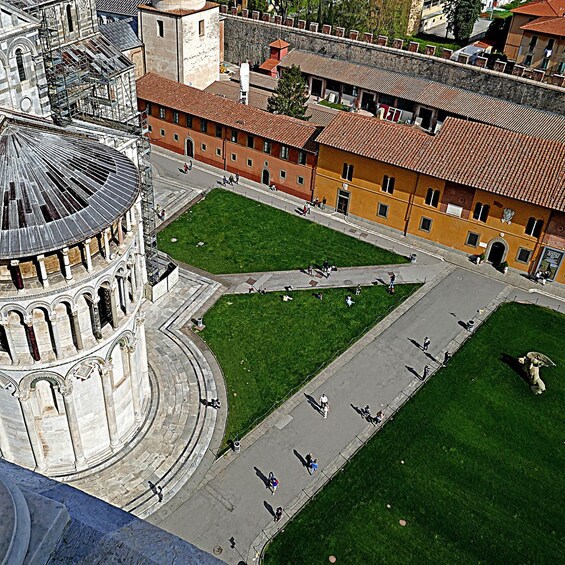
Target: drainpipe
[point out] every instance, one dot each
(224, 150)
(411, 204)
(313, 178)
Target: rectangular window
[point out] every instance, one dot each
(300, 180)
(188, 121)
(233, 157)
(388, 184)
(175, 117)
(176, 136)
(150, 128)
(148, 108)
(162, 132)
(203, 146)
(523, 255)
(201, 28)
(473, 239)
(249, 162)
(218, 152)
(250, 141)
(234, 135)
(218, 130)
(162, 113)
(527, 61)
(481, 212)
(284, 152)
(160, 28)
(347, 172)
(283, 174)
(426, 224)
(302, 158)
(382, 210)
(203, 126)
(267, 146)
(533, 227)
(432, 197)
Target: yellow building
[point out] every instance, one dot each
(473, 187)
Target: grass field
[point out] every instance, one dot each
(241, 235)
(474, 464)
(268, 347)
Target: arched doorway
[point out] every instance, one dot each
(189, 147)
(496, 253)
(265, 177)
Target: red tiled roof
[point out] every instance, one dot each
(279, 44)
(269, 64)
(283, 129)
(542, 8)
(514, 165)
(376, 139)
(546, 25)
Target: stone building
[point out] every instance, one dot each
(182, 40)
(74, 384)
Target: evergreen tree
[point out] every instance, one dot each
(461, 17)
(291, 95)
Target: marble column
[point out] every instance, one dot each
(129, 366)
(56, 336)
(42, 271)
(5, 449)
(76, 330)
(120, 232)
(88, 255)
(128, 221)
(106, 374)
(9, 340)
(17, 274)
(74, 428)
(106, 242)
(34, 440)
(97, 327)
(114, 305)
(32, 339)
(66, 264)
(140, 339)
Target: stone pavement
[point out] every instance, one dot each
(180, 436)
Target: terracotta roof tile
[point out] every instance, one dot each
(510, 164)
(168, 93)
(458, 101)
(542, 8)
(546, 25)
(279, 44)
(269, 64)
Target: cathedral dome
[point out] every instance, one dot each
(58, 189)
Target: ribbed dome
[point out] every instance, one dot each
(58, 189)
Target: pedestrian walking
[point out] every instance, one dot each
(319, 296)
(273, 482)
(446, 358)
(190, 165)
(316, 202)
(273, 187)
(185, 168)
(308, 209)
(225, 180)
(310, 270)
(236, 178)
(323, 401)
(379, 417)
(231, 180)
(358, 290)
(426, 344)
(326, 409)
(278, 513)
(312, 466)
(324, 200)
(392, 278)
(426, 373)
(326, 265)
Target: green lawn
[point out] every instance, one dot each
(484, 458)
(267, 348)
(241, 235)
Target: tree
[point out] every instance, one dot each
(461, 17)
(291, 95)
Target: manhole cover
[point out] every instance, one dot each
(217, 550)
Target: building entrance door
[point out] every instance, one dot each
(496, 253)
(343, 202)
(426, 116)
(317, 87)
(189, 148)
(265, 177)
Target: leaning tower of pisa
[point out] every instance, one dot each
(74, 383)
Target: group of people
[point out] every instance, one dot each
(542, 276)
(230, 180)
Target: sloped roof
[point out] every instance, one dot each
(121, 7)
(57, 189)
(171, 94)
(120, 34)
(542, 8)
(547, 25)
(514, 165)
(479, 107)
(269, 64)
(279, 44)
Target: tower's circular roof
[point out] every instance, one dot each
(58, 189)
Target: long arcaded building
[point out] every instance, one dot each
(74, 383)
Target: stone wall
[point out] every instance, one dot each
(248, 39)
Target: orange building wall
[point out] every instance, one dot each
(218, 152)
(407, 207)
(514, 37)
